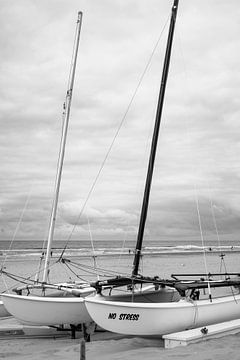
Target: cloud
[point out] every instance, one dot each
(113, 220)
(198, 145)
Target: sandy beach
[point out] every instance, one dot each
(107, 346)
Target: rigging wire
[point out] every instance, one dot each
(100, 270)
(202, 241)
(18, 225)
(123, 247)
(93, 250)
(23, 279)
(14, 236)
(87, 270)
(72, 59)
(116, 134)
(139, 184)
(17, 278)
(65, 118)
(222, 255)
(145, 157)
(77, 275)
(195, 188)
(58, 163)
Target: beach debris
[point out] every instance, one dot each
(83, 350)
(204, 330)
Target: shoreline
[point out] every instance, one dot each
(33, 255)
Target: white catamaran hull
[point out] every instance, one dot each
(3, 310)
(36, 310)
(161, 318)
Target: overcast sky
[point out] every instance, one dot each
(199, 145)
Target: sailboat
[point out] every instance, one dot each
(65, 303)
(156, 306)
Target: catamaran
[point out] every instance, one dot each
(53, 304)
(156, 306)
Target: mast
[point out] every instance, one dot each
(66, 113)
(148, 182)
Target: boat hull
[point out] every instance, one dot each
(36, 310)
(161, 318)
(3, 310)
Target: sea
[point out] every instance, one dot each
(108, 247)
(89, 262)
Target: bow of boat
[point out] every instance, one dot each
(53, 310)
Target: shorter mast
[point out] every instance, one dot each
(154, 141)
(67, 107)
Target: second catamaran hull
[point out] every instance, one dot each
(161, 318)
(36, 310)
(3, 310)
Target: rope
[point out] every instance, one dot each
(22, 279)
(17, 278)
(100, 270)
(78, 276)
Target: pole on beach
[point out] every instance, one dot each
(83, 350)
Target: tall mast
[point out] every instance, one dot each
(67, 107)
(154, 141)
